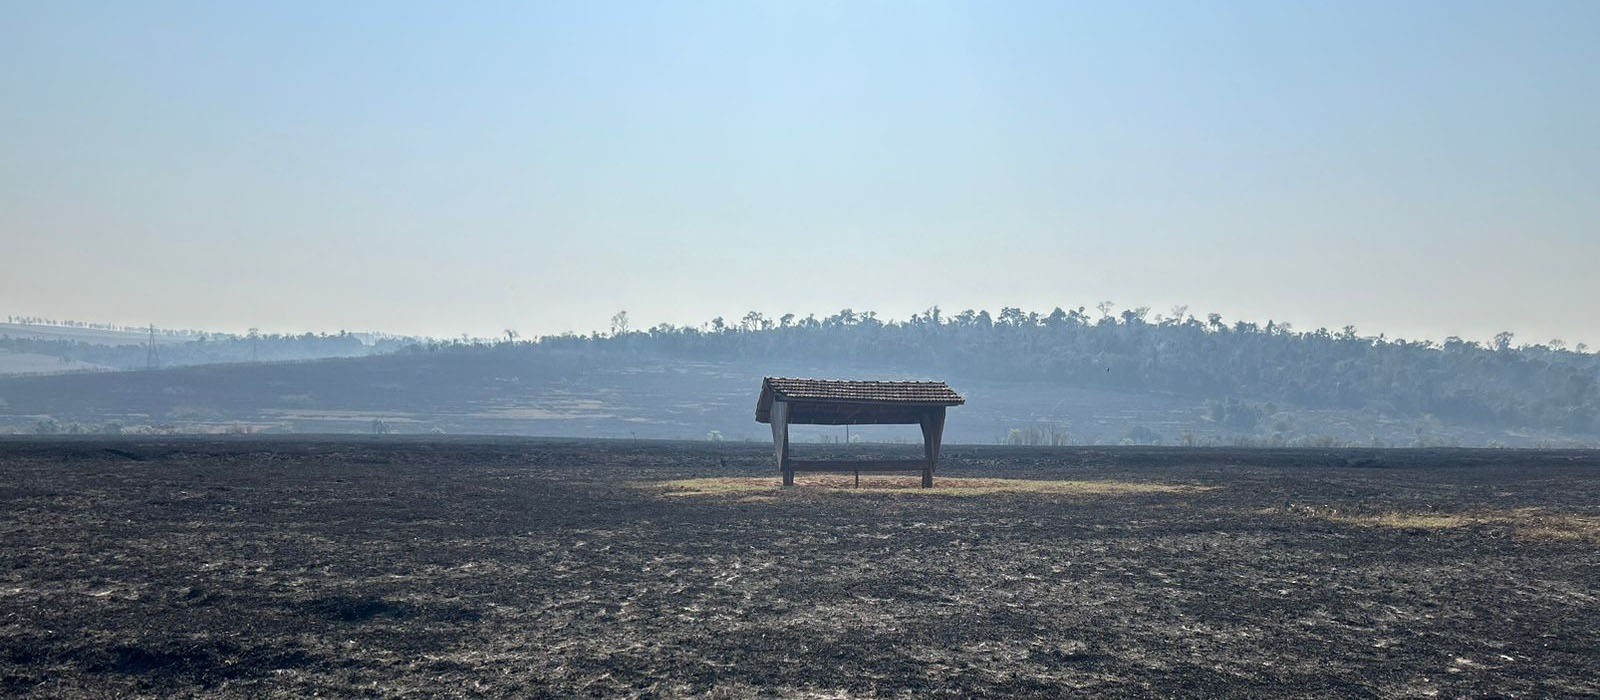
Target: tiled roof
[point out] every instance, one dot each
(919, 393)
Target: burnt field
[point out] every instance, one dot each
(506, 567)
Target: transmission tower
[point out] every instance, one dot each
(152, 357)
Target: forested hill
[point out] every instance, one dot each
(68, 346)
(1062, 377)
(1545, 387)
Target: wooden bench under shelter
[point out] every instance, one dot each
(786, 402)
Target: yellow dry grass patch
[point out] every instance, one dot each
(1408, 521)
(1532, 523)
(755, 489)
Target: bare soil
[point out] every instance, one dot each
(390, 567)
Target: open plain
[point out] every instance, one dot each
(466, 567)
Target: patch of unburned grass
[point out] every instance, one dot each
(756, 489)
(1407, 521)
(1528, 523)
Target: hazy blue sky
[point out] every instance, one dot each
(1414, 168)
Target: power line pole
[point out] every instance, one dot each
(152, 357)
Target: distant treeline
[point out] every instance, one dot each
(90, 325)
(207, 349)
(1238, 370)
(1542, 386)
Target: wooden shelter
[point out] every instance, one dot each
(785, 402)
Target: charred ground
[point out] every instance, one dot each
(251, 567)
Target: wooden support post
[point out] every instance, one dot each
(780, 439)
(932, 434)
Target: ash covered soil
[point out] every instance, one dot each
(505, 567)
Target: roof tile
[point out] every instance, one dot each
(922, 393)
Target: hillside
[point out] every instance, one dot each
(48, 348)
(688, 384)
